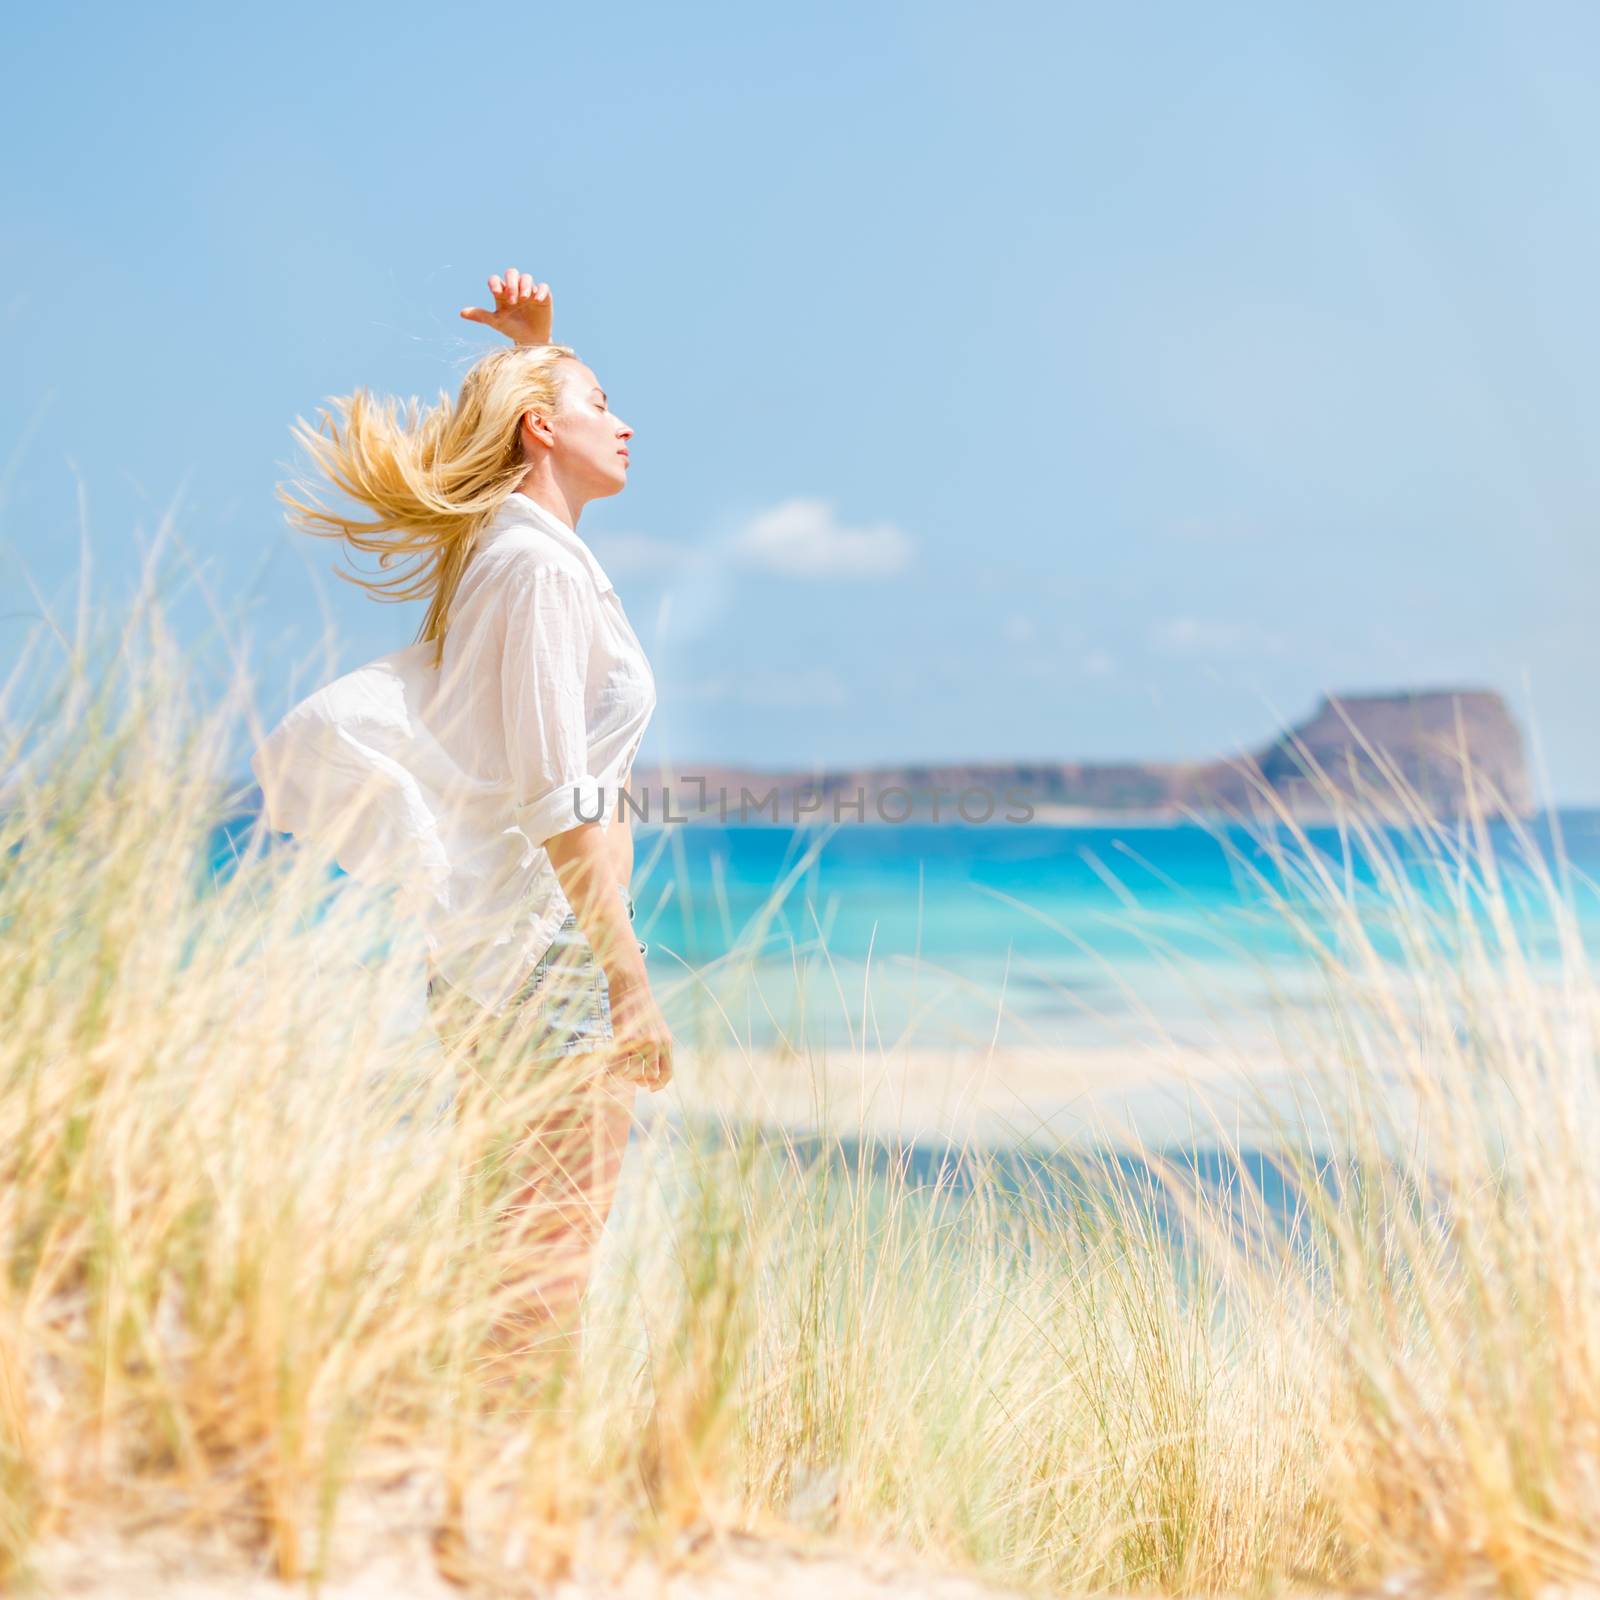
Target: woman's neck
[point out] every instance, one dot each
(545, 492)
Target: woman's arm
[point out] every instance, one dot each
(583, 861)
(619, 837)
(642, 1043)
(523, 310)
(551, 614)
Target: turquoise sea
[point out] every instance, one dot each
(1047, 935)
(1027, 934)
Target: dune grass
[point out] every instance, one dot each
(254, 1232)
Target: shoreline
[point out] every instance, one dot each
(1011, 1098)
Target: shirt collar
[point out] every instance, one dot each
(518, 510)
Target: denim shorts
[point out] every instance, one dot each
(566, 984)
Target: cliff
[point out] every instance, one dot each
(1352, 738)
(1358, 740)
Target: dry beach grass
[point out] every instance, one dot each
(248, 1265)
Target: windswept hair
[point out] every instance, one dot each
(431, 477)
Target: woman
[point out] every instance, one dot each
(480, 769)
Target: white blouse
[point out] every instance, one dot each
(447, 783)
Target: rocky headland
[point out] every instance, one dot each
(1449, 748)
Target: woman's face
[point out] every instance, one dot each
(591, 439)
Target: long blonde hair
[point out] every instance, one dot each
(432, 477)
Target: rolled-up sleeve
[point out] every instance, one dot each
(550, 628)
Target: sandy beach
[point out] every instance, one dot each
(1159, 1093)
(401, 1566)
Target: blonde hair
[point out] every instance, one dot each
(431, 477)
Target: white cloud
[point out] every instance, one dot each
(801, 538)
(1098, 664)
(1018, 629)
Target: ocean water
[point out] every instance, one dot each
(1044, 935)
(1033, 934)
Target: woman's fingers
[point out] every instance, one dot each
(647, 1067)
(515, 297)
(479, 313)
(660, 1068)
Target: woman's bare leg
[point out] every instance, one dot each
(572, 1156)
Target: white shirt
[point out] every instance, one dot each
(448, 782)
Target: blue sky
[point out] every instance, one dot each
(1127, 376)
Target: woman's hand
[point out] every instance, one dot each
(523, 310)
(641, 1042)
